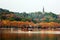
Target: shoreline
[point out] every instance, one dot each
(35, 32)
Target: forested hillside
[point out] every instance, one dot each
(35, 17)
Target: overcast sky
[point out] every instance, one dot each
(31, 5)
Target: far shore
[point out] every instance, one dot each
(35, 32)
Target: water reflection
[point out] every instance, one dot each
(29, 36)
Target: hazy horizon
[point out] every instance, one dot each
(31, 5)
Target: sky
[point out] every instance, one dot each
(31, 5)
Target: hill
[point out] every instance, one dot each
(35, 17)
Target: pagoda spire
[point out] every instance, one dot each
(43, 10)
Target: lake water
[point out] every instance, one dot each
(28, 36)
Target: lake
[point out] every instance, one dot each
(28, 36)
